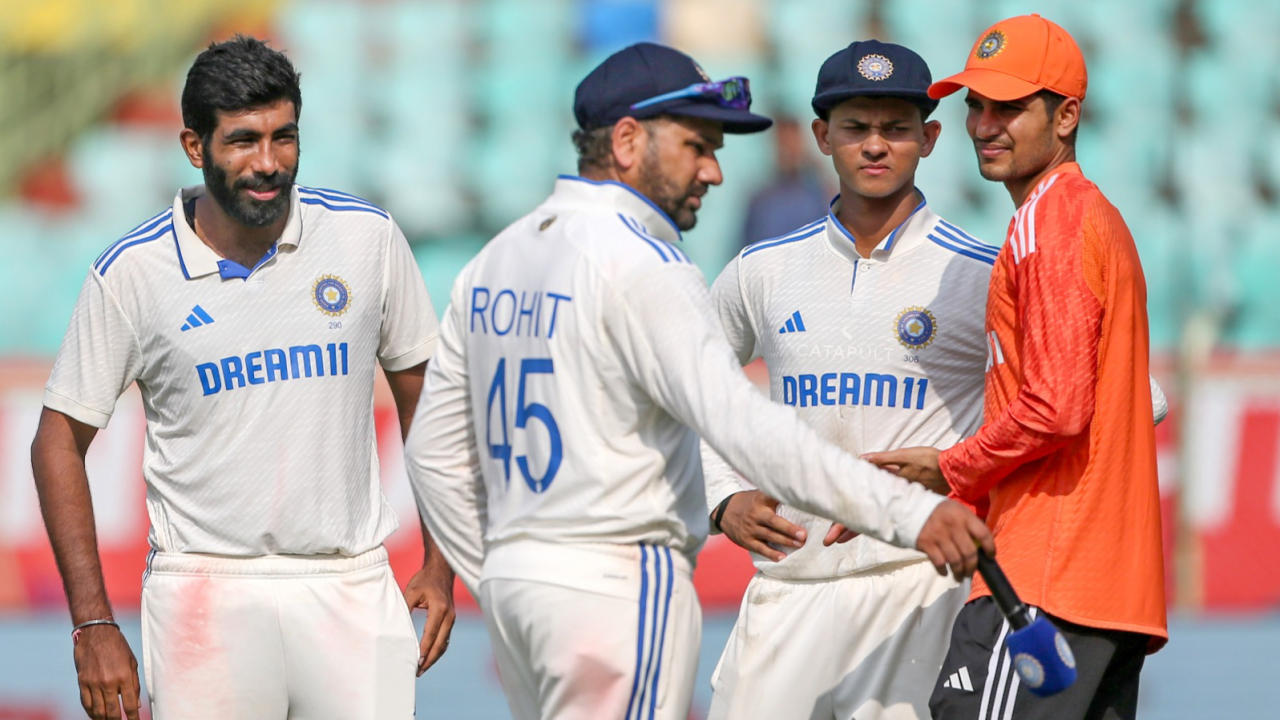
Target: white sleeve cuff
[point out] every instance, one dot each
(920, 504)
(75, 410)
(415, 356)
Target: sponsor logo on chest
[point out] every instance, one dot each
(329, 294)
(813, 335)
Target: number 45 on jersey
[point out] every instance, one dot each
(524, 412)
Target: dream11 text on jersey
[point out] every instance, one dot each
(271, 365)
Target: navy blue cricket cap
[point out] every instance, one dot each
(871, 67)
(644, 71)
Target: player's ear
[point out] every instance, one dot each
(1066, 117)
(629, 139)
(193, 146)
(820, 128)
(625, 139)
(932, 129)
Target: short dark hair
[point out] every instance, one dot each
(239, 74)
(1051, 102)
(595, 146)
(926, 109)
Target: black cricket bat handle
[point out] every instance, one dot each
(1003, 593)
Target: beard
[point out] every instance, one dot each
(237, 204)
(666, 193)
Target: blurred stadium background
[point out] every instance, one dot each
(456, 115)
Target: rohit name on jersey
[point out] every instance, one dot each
(847, 388)
(504, 311)
(272, 365)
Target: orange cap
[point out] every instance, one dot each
(1017, 57)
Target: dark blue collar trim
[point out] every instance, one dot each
(893, 236)
(228, 269)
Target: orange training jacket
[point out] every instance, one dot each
(1066, 453)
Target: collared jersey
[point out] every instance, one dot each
(579, 362)
(1067, 448)
(257, 383)
(874, 353)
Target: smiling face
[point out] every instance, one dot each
(250, 161)
(1019, 141)
(876, 144)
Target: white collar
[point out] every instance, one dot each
(906, 235)
(595, 193)
(198, 259)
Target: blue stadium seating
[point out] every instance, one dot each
(606, 25)
(803, 34)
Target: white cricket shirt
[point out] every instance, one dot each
(874, 353)
(579, 360)
(257, 383)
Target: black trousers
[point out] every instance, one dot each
(978, 682)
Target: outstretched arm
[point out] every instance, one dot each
(683, 362)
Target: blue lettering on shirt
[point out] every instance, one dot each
(518, 313)
(872, 389)
(262, 367)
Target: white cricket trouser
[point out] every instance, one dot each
(863, 646)
(275, 637)
(626, 649)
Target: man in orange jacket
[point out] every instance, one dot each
(1066, 453)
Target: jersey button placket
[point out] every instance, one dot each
(862, 272)
(851, 416)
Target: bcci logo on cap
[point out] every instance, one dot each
(875, 67)
(916, 327)
(331, 295)
(991, 45)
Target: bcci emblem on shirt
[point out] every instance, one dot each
(916, 327)
(331, 295)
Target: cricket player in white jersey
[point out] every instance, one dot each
(870, 322)
(252, 314)
(555, 452)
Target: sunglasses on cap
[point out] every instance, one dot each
(734, 92)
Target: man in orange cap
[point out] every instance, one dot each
(1066, 453)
